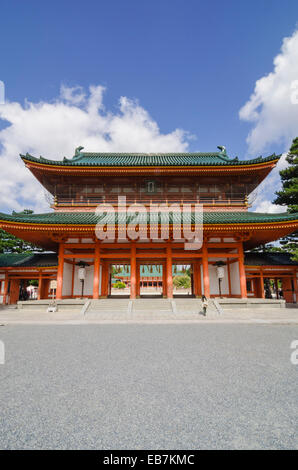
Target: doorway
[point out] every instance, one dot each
(119, 280)
(150, 280)
(183, 282)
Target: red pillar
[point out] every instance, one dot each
(133, 271)
(96, 271)
(195, 277)
(73, 277)
(206, 280)
(138, 279)
(5, 288)
(295, 287)
(60, 272)
(242, 275)
(198, 279)
(229, 278)
(39, 291)
(262, 290)
(105, 279)
(164, 280)
(169, 272)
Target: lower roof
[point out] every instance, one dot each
(28, 260)
(91, 218)
(269, 259)
(38, 260)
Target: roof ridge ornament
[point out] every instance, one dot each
(78, 152)
(223, 150)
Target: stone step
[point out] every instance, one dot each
(147, 305)
(193, 306)
(108, 305)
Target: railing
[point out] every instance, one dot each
(98, 200)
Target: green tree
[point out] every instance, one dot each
(183, 281)
(288, 196)
(11, 244)
(119, 285)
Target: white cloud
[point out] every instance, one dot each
(264, 205)
(53, 130)
(273, 111)
(271, 107)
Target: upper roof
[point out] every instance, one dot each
(89, 159)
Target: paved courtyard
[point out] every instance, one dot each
(196, 386)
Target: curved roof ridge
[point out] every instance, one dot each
(91, 218)
(149, 159)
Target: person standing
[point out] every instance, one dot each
(204, 304)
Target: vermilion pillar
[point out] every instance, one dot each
(73, 276)
(242, 272)
(138, 279)
(169, 271)
(133, 271)
(197, 279)
(295, 287)
(60, 272)
(105, 280)
(229, 277)
(96, 271)
(5, 288)
(262, 285)
(39, 291)
(206, 280)
(164, 280)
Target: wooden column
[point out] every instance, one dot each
(295, 287)
(199, 282)
(39, 291)
(164, 280)
(105, 280)
(169, 271)
(206, 280)
(276, 287)
(197, 279)
(262, 290)
(138, 279)
(133, 271)
(242, 275)
(73, 276)
(229, 277)
(5, 288)
(96, 271)
(60, 272)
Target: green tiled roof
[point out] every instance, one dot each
(269, 259)
(149, 159)
(91, 218)
(28, 260)
(51, 259)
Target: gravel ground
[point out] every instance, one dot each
(148, 387)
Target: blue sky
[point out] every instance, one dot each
(190, 64)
